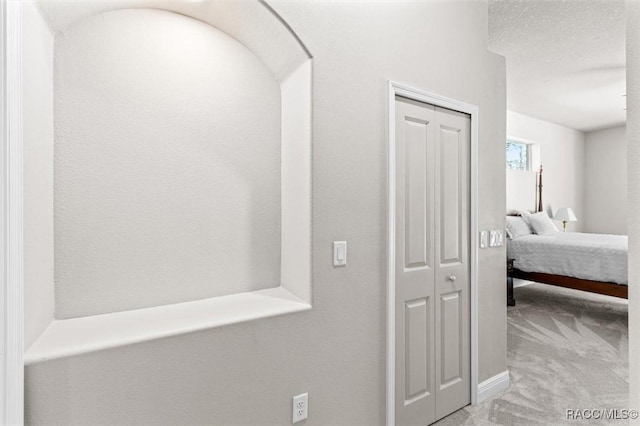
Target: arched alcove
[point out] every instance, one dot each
(167, 164)
(181, 176)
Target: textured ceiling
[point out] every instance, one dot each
(565, 59)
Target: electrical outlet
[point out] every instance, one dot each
(300, 407)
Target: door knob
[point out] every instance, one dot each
(451, 278)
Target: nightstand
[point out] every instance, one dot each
(510, 300)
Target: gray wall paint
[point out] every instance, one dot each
(37, 105)
(161, 194)
(605, 191)
(633, 193)
(247, 373)
(562, 154)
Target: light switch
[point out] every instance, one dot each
(339, 253)
(495, 238)
(484, 239)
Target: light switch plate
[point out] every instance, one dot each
(339, 253)
(495, 238)
(484, 239)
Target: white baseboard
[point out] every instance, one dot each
(492, 386)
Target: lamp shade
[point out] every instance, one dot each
(565, 214)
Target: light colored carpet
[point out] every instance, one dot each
(567, 349)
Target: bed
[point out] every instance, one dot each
(590, 262)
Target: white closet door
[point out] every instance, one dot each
(415, 258)
(432, 262)
(452, 280)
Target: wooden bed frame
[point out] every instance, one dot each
(607, 288)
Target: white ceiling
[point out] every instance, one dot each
(565, 59)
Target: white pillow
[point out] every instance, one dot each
(517, 227)
(541, 224)
(525, 216)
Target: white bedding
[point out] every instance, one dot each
(596, 257)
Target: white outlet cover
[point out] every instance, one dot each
(300, 407)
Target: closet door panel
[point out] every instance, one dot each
(414, 275)
(452, 285)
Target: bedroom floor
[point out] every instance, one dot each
(567, 349)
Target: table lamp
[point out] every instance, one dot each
(565, 214)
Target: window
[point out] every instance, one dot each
(518, 155)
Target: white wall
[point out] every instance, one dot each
(605, 191)
(247, 373)
(295, 146)
(37, 68)
(562, 154)
(162, 195)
